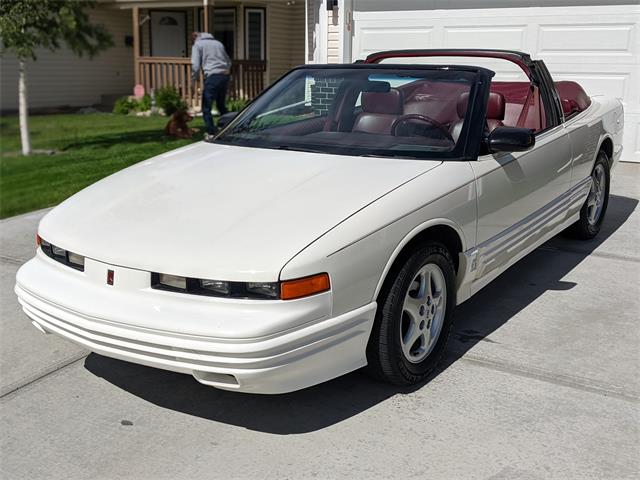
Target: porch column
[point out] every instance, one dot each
(205, 28)
(136, 43)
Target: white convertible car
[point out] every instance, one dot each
(333, 224)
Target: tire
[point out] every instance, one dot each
(594, 208)
(406, 308)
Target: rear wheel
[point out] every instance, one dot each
(595, 207)
(414, 317)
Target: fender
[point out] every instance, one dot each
(604, 137)
(434, 222)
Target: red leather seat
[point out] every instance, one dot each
(379, 111)
(495, 113)
(436, 100)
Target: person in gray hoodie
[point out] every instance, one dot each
(209, 56)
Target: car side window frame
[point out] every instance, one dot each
(551, 99)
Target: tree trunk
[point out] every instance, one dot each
(24, 111)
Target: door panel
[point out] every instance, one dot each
(518, 197)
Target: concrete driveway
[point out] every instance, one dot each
(541, 380)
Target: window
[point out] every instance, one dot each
(254, 27)
(360, 110)
(224, 28)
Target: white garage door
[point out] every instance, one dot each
(597, 46)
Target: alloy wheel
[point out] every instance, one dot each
(423, 313)
(595, 201)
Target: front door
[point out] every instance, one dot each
(521, 197)
(168, 34)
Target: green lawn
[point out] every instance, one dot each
(88, 147)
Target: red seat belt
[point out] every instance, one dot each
(522, 119)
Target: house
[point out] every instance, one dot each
(152, 47)
(593, 42)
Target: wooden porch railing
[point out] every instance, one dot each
(246, 82)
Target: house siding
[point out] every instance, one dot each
(333, 37)
(61, 78)
(285, 38)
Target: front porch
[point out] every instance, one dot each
(246, 82)
(264, 40)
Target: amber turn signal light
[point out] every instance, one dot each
(303, 287)
(38, 240)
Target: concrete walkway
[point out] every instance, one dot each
(541, 381)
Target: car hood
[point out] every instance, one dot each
(223, 212)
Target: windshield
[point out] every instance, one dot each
(357, 110)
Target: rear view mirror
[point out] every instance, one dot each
(511, 139)
(376, 86)
(226, 119)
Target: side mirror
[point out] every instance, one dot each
(226, 119)
(511, 139)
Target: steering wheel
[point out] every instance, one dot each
(422, 118)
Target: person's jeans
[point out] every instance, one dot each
(215, 88)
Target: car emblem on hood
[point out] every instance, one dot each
(109, 277)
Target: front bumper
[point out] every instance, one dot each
(244, 345)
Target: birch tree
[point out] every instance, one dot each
(26, 25)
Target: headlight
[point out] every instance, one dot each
(268, 290)
(286, 290)
(61, 255)
(75, 260)
(172, 281)
(216, 286)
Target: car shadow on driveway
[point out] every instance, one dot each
(334, 401)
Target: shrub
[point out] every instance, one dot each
(236, 104)
(123, 106)
(144, 104)
(170, 100)
(126, 105)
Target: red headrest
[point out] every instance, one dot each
(573, 97)
(389, 103)
(495, 107)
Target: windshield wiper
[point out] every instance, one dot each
(391, 155)
(298, 149)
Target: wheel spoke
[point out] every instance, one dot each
(412, 307)
(591, 199)
(437, 298)
(410, 338)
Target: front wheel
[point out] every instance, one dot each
(414, 317)
(595, 207)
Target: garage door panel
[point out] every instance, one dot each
(586, 40)
(616, 80)
(486, 36)
(374, 38)
(595, 83)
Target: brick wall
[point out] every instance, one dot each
(322, 93)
